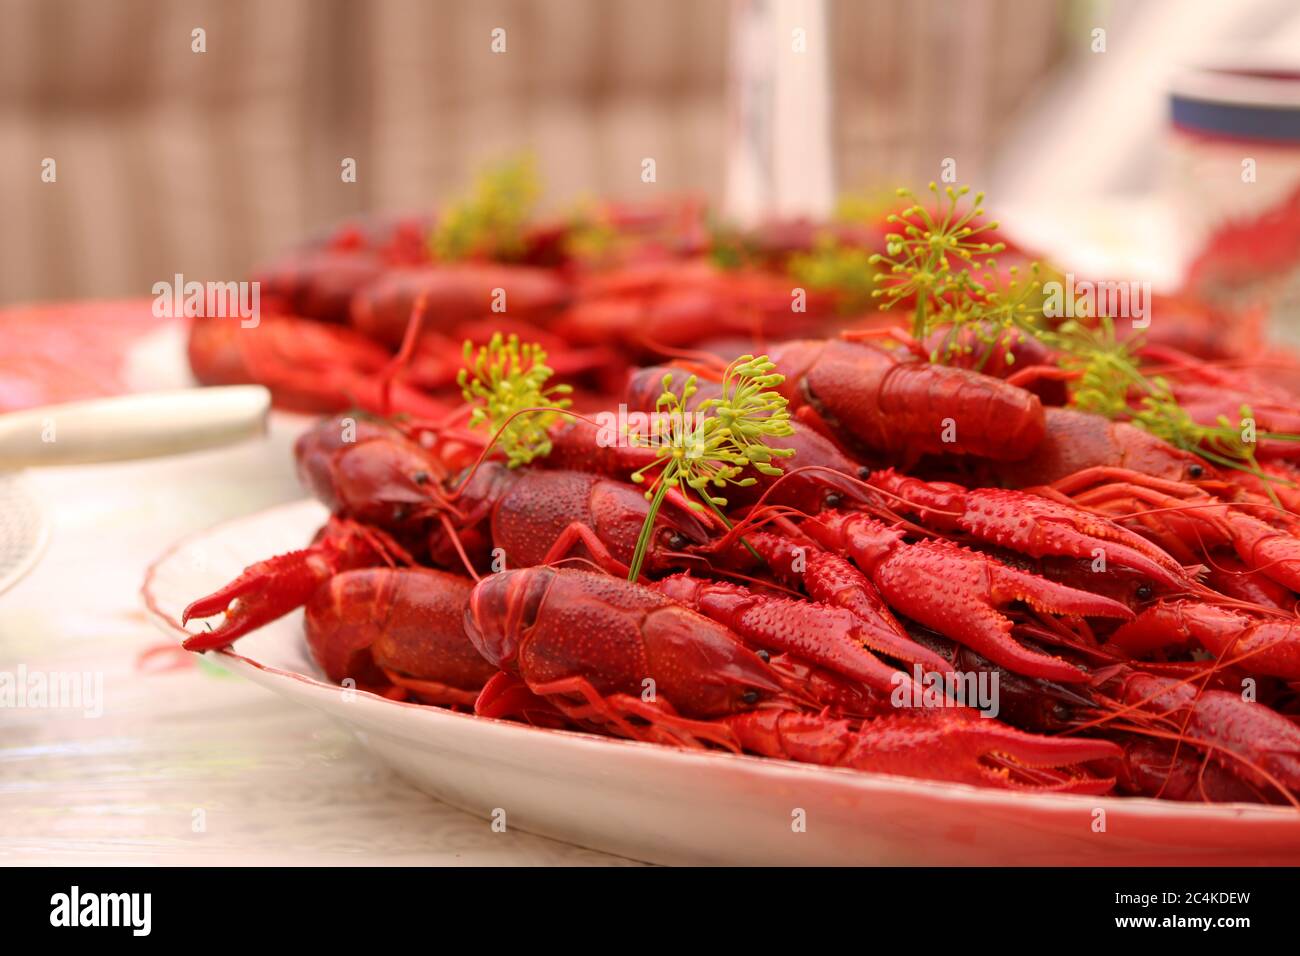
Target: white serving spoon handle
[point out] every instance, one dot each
(147, 425)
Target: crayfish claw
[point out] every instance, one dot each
(220, 599)
(958, 593)
(272, 588)
(939, 746)
(1008, 584)
(1038, 527)
(265, 591)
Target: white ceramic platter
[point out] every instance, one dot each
(671, 806)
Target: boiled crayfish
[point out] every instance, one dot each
(819, 534)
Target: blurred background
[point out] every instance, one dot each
(172, 161)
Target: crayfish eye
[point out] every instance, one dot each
(1195, 471)
(676, 541)
(1144, 592)
(420, 477)
(834, 500)
(749, 697)
(864, 472)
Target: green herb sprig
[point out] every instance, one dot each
(1109, 381)
(933, 260)
(843, 269)
(490, 222)
(709, 446)
(590, 236)
(506, 383)
(937, 263)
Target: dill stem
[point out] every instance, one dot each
(647, 529)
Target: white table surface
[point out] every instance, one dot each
(277, 784)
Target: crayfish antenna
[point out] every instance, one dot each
(1255, 744)
(414, 326)
(697, 362)
(454, 537)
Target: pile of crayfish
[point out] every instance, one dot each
(334, 312)
(606, 286)
(1132, 604)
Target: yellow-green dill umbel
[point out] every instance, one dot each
(938, 261)
(505, 381)
(490, 222)
(919, 258)
(709, 446)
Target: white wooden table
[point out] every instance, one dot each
(276, 784)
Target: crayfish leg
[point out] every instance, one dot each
(507, 696)
(631, 717)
